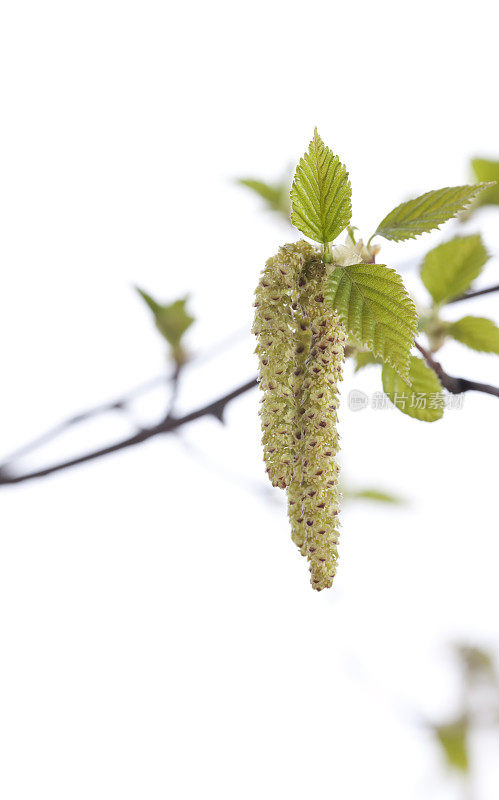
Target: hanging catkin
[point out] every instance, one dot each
(275, 328)
(301, 350)
(319, 440)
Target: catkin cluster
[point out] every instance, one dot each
(301, 349)
(274, 327)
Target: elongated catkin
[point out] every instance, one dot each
(301, 350)
(275, 329)
(319, 440)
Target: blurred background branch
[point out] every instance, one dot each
(173, 320)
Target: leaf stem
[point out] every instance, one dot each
(327, 255)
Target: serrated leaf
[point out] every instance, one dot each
(427, 212)
(172, 320)
(364, 359)
(276, 195)
(321, 195)
(375, 308)
(448, 270)
(479, 333)
(487, 170)
(423, 400)
(453, 740)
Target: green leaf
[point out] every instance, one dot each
(172, 320)
(375, 308)
(276, 195)
(448, 270)
(321, 195)
(364, 359)
(153, 305)
(427, 212)
(375, 495)
(487, 170)
(423, 400)
(453, 740)
(479, 333)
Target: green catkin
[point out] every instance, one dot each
(302, 349)
(275, 328)
(319, 440)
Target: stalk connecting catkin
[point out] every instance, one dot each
(301, 349)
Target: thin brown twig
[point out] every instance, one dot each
(477, 293)
(171, 423)
(118, 404)
(167, 425)
(453, 384)
(123, 401)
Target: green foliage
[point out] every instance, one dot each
(427, 212)
(487, 170)
(453, 739)
(449, 269)
(423, 400)
(321, 194)
(276, 195)
(364, 359)
(153, 305)
(301, 342)
(374, 495)
(171, 320)
(479, 333)
(375, 308)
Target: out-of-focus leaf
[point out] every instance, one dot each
(453, 739)
(171, 320)
(479, 333)
(449, 269)
(153, 305)
(487, 170)
(376, 310)
(364, 359)
(423, 400)
(321, 195)
(374, 495)
(427, 212)
(276, 195)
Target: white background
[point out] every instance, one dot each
(158, 634)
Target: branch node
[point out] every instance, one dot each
(219, 413)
